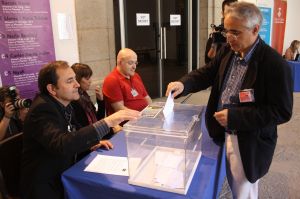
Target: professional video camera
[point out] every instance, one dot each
(16, 101)
(219, 28)
(217, 33)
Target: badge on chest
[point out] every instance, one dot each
(246, 95)
(134, 92)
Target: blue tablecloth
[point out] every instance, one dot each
(206, 183)
(295, 66)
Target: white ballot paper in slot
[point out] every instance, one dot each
(169, 105)
(109, 165)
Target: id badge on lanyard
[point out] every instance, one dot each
(134, 93)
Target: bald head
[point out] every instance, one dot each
(126, 62)
(124, 54)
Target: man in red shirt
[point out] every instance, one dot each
(123, 88)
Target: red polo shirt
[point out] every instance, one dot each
(117, 88)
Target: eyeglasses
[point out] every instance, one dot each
(132, 62)
(233, 33)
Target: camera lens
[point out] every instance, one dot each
(22, 103)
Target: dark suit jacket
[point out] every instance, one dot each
(49, 148)
(269, 75)
(82, 120)
(80, 116)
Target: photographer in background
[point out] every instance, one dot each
(216, 39)
(12, 111)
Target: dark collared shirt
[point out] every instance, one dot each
(234, 78)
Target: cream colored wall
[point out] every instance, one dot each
(96, 41)
(66, 50)
(210, 13)
(92, 41)
(292, 29)
(203, 29)
(214, 12)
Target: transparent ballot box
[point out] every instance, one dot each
(164, 151)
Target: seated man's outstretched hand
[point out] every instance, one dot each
(121, 116)
(106, 144)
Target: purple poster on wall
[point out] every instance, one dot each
(26, 42)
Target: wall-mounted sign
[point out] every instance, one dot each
(142, 19)
(64, 26)
(175, 20)
(279, 21)
(26, 43)
(265, 29)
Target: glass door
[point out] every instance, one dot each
(174, 31)
(142, 36)
(157, 30)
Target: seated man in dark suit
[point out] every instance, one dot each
(51, 141)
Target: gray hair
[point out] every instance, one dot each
(247, 12)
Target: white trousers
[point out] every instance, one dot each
(240, 187)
